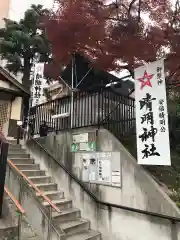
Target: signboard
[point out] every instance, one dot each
(38, 84)
(116, 178)
(89, 147)
(84, 142)
(89, 171)
(104, 167)
(99, 168)
(80, 138)
(151, 115)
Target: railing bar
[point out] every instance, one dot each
(21, 209)
(34, 186)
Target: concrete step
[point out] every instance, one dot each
(28, 166)
(13, 142)
(18, 155)
(14, 147)
(86, 235)
(53, 195)
(47, 186)
(66, 215)
(32, 238)
(16, 150)
(76, 226)
(69, 219)
(30, 173)
(22, 160)
(62, 204)
(40, 179)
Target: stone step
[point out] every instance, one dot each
(14, 147)
(28, 166)
(40, 179)
(22, 160)
(66, 215)
(47, 186)
(86, 235)
(13, 141)
(17, 151)
(53, 195)
(30, 173)
(32, 238)
(18, 155)
(62, 204)
(69, 219)
(76, 226)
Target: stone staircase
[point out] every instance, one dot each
(69, 220)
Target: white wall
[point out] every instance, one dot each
(16, 108)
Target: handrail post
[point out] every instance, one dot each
(18, 134)
(3, 163)
(49, 224)
(20, 201)
(19, 225)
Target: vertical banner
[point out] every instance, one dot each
(38, 84)
(151, 115)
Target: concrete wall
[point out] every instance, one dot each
(138, 190)
(8, 223)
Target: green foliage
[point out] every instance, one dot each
(23, 40)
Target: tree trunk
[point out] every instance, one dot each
(26, 74)
(27, 84)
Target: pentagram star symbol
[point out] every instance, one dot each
(145, 80)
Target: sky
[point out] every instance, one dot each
(18, 7)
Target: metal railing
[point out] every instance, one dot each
(25, 184)
(21, 211)
(3, 162)
(85, 109)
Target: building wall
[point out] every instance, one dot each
(15, 115)
(16, 108)
(5, 108)
(10, 113)
(7, 85)
(10, 110)
(138, 190)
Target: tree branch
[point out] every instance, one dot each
(139, 11)
(130, 6)
(177, 7)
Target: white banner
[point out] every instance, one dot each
(151, 115)
(38, 84)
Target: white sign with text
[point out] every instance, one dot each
(151, 115)
(38, 84)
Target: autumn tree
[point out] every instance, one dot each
(118, 35)
(24, 40)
